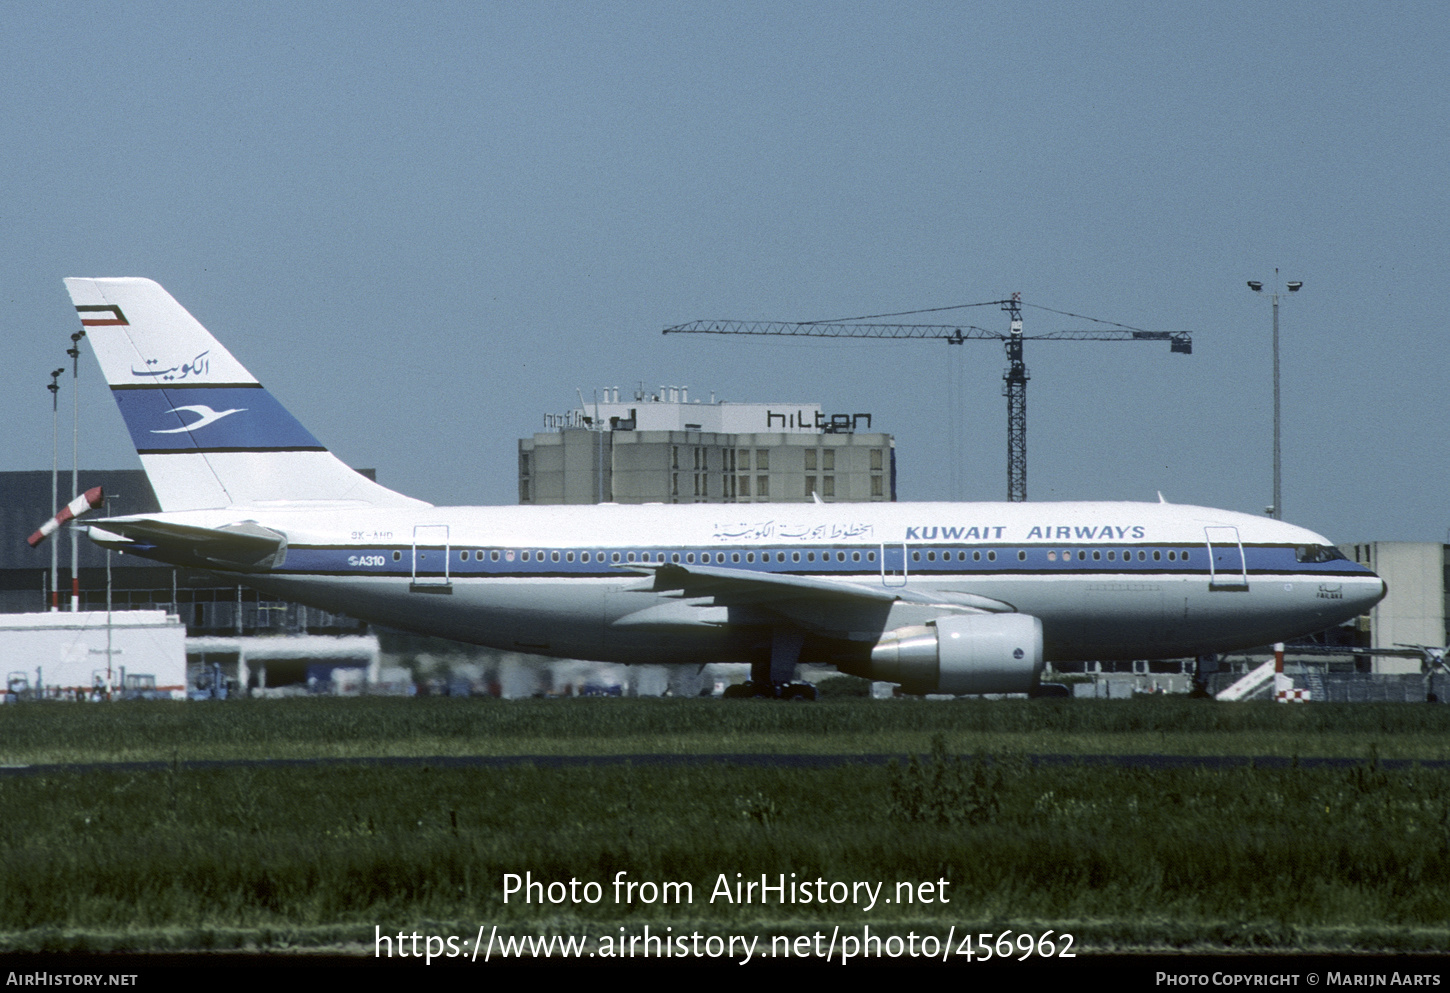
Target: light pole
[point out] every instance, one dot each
(54, 388)
(74, 351)
(1277, 510)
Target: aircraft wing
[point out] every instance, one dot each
(246, 546)
(819, 604)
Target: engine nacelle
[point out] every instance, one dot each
(962, 653)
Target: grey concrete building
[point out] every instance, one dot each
(663, 448)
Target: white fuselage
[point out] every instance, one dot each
(1108, 580)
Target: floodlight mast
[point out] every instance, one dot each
(1276, 510)
(1014, 378)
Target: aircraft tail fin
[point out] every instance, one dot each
(209, 435)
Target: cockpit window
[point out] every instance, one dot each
(1317, 553)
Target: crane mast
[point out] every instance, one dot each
(1014, 378)
(1014, 388)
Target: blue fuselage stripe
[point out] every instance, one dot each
(938, 562)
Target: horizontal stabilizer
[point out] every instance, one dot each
(245, 547)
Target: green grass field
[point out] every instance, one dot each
(260, 856)
(382, 726)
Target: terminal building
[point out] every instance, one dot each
(666, 448)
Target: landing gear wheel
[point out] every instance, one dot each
(798, 691)
(751, 689)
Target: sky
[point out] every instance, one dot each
(425, 226)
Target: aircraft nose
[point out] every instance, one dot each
(1372, 594)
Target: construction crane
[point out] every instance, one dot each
(1014, 379)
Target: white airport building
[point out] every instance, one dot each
(93, 654)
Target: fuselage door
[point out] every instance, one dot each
(893, 565)
(1226, 568)
(430, 557)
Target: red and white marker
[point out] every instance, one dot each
(87, 501)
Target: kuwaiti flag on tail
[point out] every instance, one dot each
(100, 316)
(86, 502)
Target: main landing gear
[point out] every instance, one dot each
(1203, 667)
(774, 678)
(770, 691)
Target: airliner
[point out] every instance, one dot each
(956, 598)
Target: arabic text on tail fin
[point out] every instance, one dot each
(207, 432)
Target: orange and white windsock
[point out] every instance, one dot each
(87, 501)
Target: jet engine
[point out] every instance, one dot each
(961, 653)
